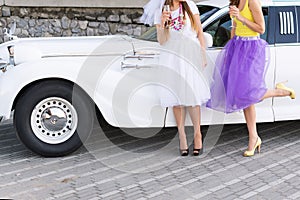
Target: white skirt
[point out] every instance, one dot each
(181, 72)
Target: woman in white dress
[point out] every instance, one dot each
(179, 31)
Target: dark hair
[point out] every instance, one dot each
(234, 2)
(185, 9)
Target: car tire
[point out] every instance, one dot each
(53, 118)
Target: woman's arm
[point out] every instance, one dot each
(259, 23)
(162, 31)
(200, 31)
(201, 38)
(162, 34)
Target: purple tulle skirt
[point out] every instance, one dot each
(239, 76)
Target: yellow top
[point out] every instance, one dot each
(241, 29)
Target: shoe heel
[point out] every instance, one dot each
(258, 148)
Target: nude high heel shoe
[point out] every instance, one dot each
(257, 145)
(283, 87)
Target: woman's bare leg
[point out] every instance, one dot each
(179, 113)
(196, 120)
(250, 116)
(276, 93)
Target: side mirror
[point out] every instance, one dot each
(208, 39)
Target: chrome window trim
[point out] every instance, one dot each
(216, 15)
(287, 23)
(284, 23)
(287, 44)
(281, 23)
(292, 23)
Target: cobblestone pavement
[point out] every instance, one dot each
(127, 168)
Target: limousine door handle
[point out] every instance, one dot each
(133, 66)
(142, 54)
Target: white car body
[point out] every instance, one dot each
(96, 65)
(283, 64)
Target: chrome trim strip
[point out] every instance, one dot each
(215, 48)
(287, 44)
(223, 11)
(140, 56)
(284, 23)
(134, 66)
(292, 23)
(80, 55)
(288, 23)
(281, 23)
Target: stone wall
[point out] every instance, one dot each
(63, 21)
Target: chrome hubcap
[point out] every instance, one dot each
(54, 120)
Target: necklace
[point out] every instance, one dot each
(177, 23)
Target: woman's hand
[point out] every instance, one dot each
(234, 12)
(165, 17)
(255, 7)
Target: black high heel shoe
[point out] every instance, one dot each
(197, 152)
(184, 152)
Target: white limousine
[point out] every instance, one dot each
(54, 86)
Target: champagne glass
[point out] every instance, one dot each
(167, 9)
(231, 17)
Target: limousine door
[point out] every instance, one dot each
(128, 86)
(285, 20)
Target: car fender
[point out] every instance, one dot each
(85, 71)
(16, 78)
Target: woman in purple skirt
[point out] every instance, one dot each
(239, 77)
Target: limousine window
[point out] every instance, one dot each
(220, 29)
(206, 12)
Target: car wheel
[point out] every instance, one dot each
(53, 118)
